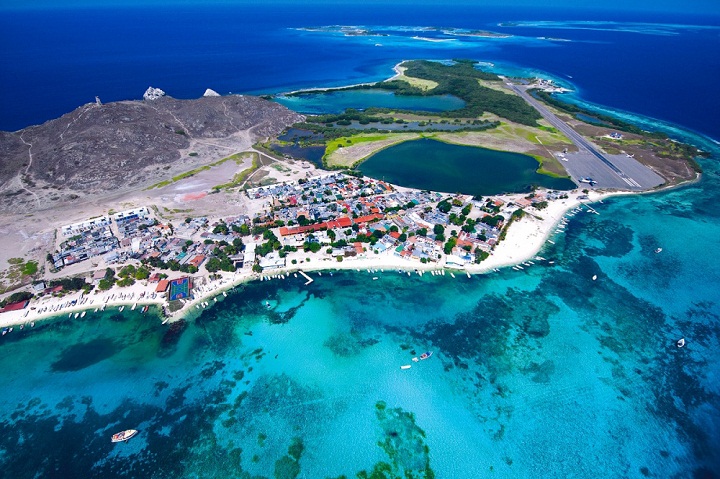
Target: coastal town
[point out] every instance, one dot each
(329, 221)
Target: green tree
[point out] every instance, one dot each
(212, 265)
(312, 247)
(257, 268)
(125, 282)
(142, 273)
(480, 255)
(450, 245)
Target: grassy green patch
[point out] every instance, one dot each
(366, 146)
(241, 177)
(237, 158)
(550, 167)
(30, 268)
(346, 141)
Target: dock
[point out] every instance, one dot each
(308, 278)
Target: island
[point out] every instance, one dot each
(222, 190)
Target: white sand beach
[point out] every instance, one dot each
(523, 241)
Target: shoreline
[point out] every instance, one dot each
(525, 238)
(396, 69)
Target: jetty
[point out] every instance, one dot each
(308, 278)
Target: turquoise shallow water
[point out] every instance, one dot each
(538, 370)
(538, 373)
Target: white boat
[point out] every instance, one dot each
(121, 308)
(375, 278)
(594, 277)
(133, 307)
(680, 342)
(123, 436)
(407, 366)
(82, 315)
(426, 355)
(224, 294)
(451, 274)
(76, 315)
(659, 250)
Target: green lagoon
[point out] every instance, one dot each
(434, 165)
(339, 100)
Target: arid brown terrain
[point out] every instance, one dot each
(102, 148)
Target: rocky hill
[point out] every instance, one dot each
(100, 148)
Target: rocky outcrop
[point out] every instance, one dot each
(153, 94)
(102, 148)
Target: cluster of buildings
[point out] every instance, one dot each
(348, 217)
(100, 236)
(337, 209)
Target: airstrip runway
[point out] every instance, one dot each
(607, 171)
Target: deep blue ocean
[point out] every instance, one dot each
(536, 373)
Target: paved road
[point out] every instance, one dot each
(586, 148)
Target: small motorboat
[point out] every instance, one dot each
(123, 436)
(594, 277)
(659, 250)
(426, 355)
(145, 309)
(680, 342)
(121, 308)
(407, 366)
